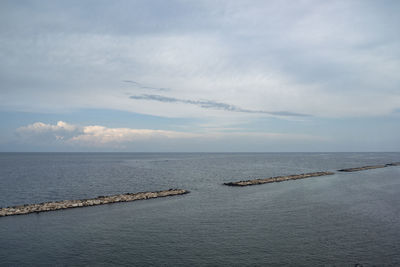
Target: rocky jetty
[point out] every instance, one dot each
(278, 179)
(100, 200)
(369, 167)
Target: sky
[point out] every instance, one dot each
(199, 76)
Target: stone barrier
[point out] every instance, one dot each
(278, 179)
(100, 200)
(369, 167)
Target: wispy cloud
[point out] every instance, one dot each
(142, 86)
(209, 104)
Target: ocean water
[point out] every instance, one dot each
(336, 220)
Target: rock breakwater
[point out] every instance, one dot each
(278, 179)
(369, 167)
(100, 200)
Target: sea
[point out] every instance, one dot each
(345, 219)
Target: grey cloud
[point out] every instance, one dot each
(123, 17)
(142, 86)
(209, 104)
(52, 50)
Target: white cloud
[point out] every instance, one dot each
(101, 136)
(40, 127)
(66, 134)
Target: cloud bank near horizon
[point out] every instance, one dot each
(97, 136)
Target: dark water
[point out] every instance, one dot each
(340, 220)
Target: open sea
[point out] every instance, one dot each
(336, 220)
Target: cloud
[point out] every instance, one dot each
(323, 58)
(40, 127)
(208, 104)
(67, 135)
(142, 86)
(102, 136)
(92, 135)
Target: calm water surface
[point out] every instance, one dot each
(341, 220)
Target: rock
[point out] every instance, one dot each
(277, 179)
(362, 168)
(66, 204)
